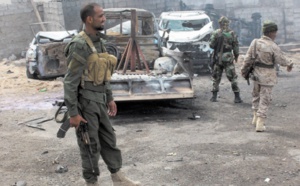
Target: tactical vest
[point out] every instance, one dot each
(100, 66)
(228, 37)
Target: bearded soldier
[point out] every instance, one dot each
(88, 96)
(263, 55)
(226, 50)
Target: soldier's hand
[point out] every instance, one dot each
(290, 67)
(112, 108)
(75, 121)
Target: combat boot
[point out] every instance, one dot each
(237, 98)
(214, 97)
(260, 124)
(254, 120)
(119, 179)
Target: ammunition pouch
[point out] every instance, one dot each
(100, 66)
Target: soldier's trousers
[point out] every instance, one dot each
(102, 137)
(262, 97)
(230, 74)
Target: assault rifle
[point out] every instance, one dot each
(248, 71)
(81, 132)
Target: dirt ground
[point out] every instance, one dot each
(161, 146)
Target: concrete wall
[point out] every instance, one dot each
(53, 12)
(15, 33)
(15, 18)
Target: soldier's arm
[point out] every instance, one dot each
(280, 58)
(76, 66)
(109, 95)
(212, 41)
(247, 60)
(235, 46)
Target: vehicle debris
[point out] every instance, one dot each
(36, 126)
(141, 72)
(175, 160)
(20, 183)
(45, 58)
(61, 169)
(30, 120)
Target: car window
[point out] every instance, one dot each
(44, 40)
(183, 25)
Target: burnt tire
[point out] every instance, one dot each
(112, 49)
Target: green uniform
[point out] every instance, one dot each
(228, 52)
(90, 101)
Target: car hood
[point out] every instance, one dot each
(57, 35)
(188, 36)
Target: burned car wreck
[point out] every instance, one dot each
(44, 57)
(188, 31)
(145, 70)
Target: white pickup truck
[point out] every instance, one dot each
(188, 31)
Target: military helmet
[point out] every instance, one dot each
(223, 20)
(269, 26)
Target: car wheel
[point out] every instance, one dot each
(112, 49)
(29, 75)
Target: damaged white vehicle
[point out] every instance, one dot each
(44, 57)
(188, 31)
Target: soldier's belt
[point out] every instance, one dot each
(99, 88)
(263, 65)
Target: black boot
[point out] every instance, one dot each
(237, 98)
(214, 97)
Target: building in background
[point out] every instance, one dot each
(16, 16)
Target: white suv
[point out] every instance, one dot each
(188, 31)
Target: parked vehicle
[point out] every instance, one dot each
(154, 77)
(188, 31)
(44, 57)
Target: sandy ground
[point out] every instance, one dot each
(160, 145)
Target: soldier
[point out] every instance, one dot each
(264, 54)
(88, 96)
(226, 50)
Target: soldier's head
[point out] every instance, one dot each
(270, 29)
(224, 22)
(92, 15)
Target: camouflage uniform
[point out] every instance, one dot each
(92, 106)
(264, 54)
(230, 52)
(264, 74)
